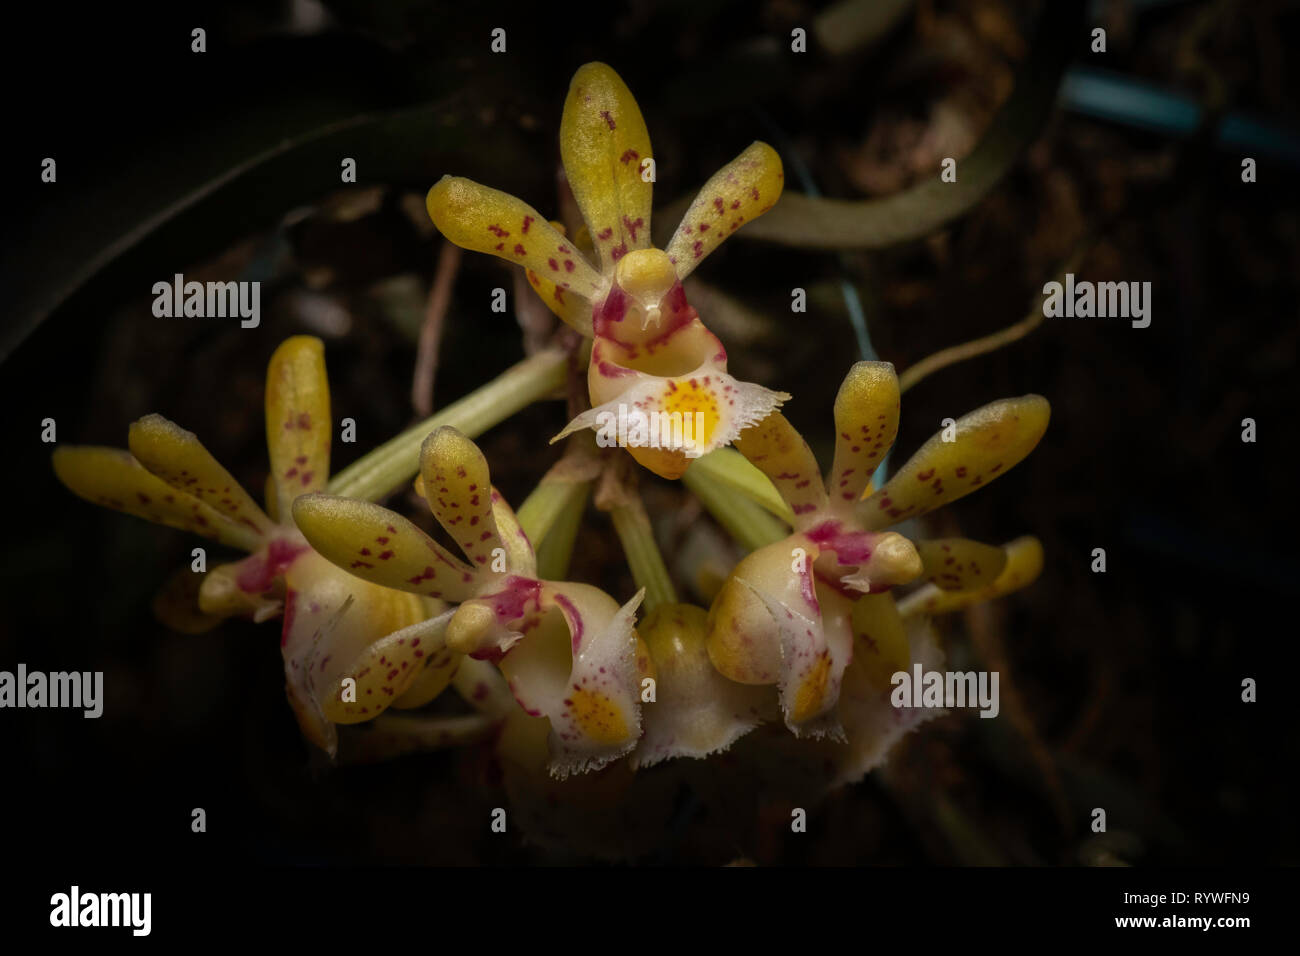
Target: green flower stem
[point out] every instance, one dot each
(745, 521)
(643, 557)
(541, 509)
(386, 468)
(550, 516)
(729, 468)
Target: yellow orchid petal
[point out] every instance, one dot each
(386, 670)
(298, 419)
(113, 478)
(488, 220)
(866, 424)
(739, 192)
(481, 686)
(436, 676)
(770, 624)
(438, 672)
(179, 458)
(573, 310)
(780, 452)
(959, 564)
(520, 558)
(988, 443)
(696, 711)
(459, 491)
(603, 143)
(742, 642)
(331, 619)
(880, 646)
(1024, 564)
(272, 503)
(382, 547)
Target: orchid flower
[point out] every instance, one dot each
(568, 651)
(651, 353)
(335, 626)
(787, 613)
(889, 637)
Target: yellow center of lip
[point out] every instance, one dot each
(597, 717)
(689, 397)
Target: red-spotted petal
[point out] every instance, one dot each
(959, 564)
(382, 547)
(866, 423)
(738, 193)
(604, 144)
(488, 220)
(780, 452)
(179, 458)
(386, 671)
(113, 478)
(986, 444)
(298, 419)
(439, 671)
(520, 557)
(1024, 562)
(459, 490)
(573, 310)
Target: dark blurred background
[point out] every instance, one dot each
(1120, 690)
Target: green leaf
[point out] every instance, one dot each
(800, 220)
